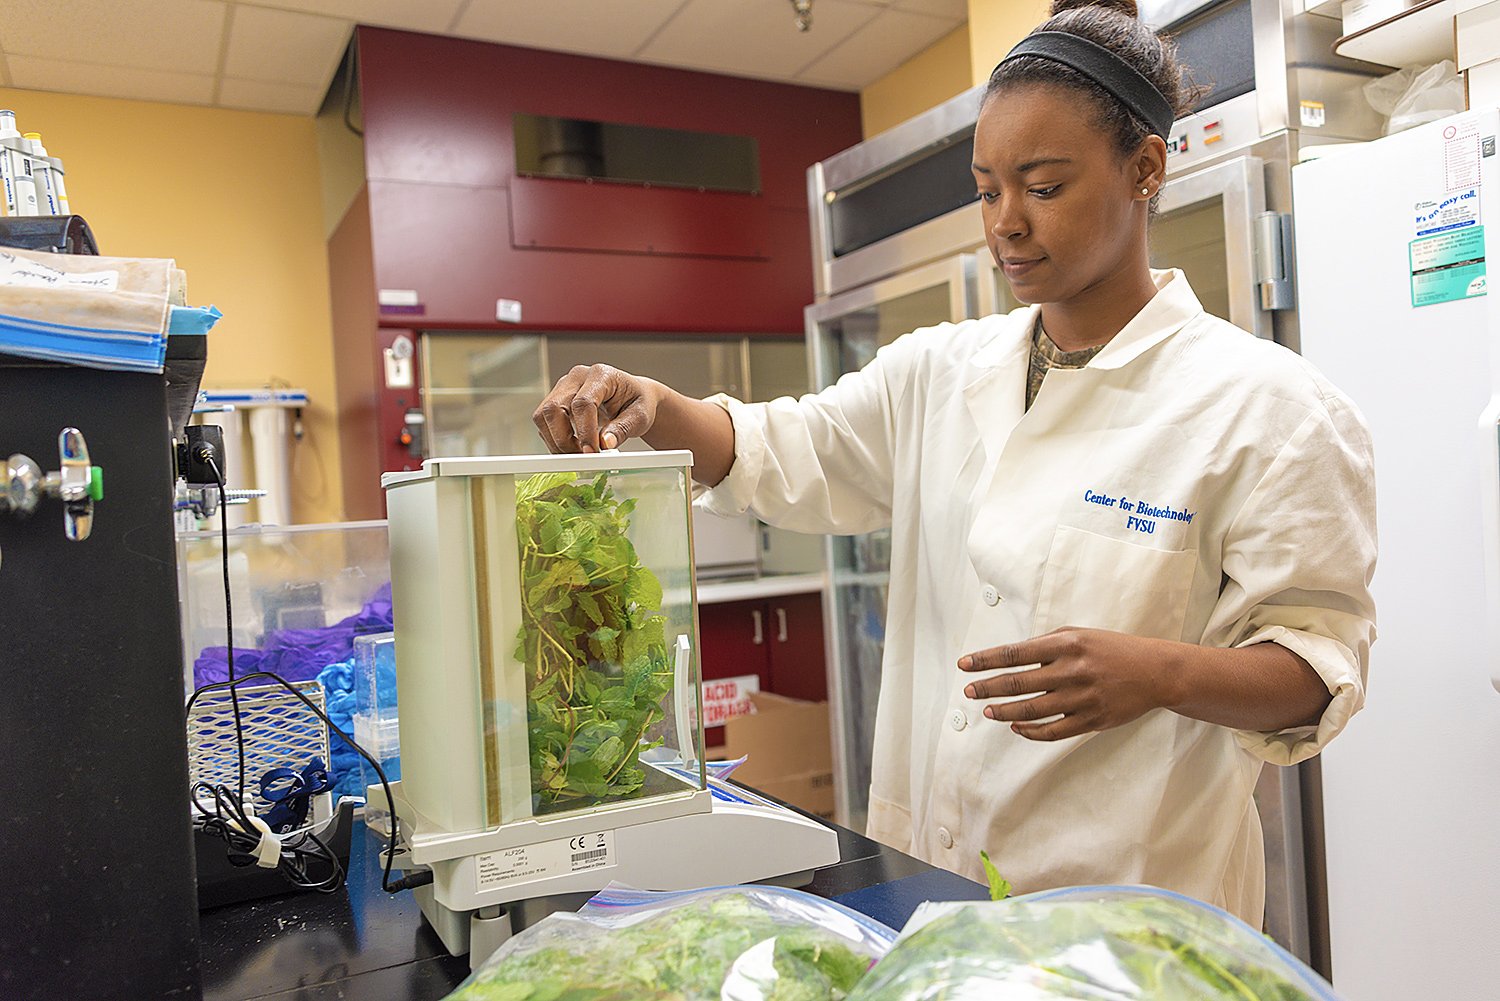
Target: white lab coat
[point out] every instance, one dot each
(1191, 483)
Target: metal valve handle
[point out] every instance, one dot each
(77, 483)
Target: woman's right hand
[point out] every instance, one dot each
(595, 407)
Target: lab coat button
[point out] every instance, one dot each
(990, 595)
(958, 719)
(945, 838)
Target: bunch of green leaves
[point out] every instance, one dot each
(1127, 946)
(699, 951)
(592, 640)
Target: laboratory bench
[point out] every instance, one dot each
(362, 943)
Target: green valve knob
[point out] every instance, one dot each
(96, 483)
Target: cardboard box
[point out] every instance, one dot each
(789, 748)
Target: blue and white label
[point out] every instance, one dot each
(1143, 516)
(1458, 210)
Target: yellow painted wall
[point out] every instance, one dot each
(235, 197)
(924, 81)
(341, 155)
(995, 26)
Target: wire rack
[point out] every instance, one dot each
(280, 732)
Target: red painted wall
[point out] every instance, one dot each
(450, 218)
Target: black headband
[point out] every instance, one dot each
(1104, 68)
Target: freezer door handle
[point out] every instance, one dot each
(1489, 481)
(1273, 260)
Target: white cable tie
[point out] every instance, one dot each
(268, 852)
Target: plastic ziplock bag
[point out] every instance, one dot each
(738, 943)
(1099, 943)
(1416, 95)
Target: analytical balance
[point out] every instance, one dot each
(548, 679)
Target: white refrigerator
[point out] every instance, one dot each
(1393, 241)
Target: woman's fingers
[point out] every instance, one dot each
(551, 415)
(632, 422)
(588, 397)
(1030, 710)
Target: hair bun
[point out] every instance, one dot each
(1126, 7)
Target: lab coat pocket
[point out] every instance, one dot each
(1093, 581)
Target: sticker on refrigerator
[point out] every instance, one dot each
(1456, 211)
(1314, 115)
(1448, 267)
(1461, 155)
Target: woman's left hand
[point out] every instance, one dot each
(1092, 678)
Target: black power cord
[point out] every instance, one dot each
(230, 819)
(204, 453)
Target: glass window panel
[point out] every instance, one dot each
(639, 154)
(1194, 240)
(777, 368)
(857, 335)
(479, 391)
(694, 366)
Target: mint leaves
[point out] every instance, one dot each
(592, 640)
(725, 945)
(999, 885)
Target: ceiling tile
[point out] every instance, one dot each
(416, 15)
(257, 95)
(178, 36)
(615, 29)
(956, 9)
(753, 37)
(877, 48)
(110, 81)
(279, 46)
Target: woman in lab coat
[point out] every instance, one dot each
(1130, 543)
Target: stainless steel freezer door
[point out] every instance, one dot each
(1206, 227)
(843, 335)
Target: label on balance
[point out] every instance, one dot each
(528, 863)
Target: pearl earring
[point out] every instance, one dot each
(1145, 191)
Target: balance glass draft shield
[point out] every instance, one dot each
(546, 637)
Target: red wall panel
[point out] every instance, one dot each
(451, 244)
(443, 191)
(556, 214)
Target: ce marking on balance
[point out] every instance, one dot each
(1140, 516)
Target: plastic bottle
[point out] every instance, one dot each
(9, 205)
(60, 185)
(41, 168)
(15, 150)
(20, 165)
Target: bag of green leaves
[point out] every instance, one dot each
(739, 943)
(1099, 943)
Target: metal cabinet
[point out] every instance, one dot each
(843, 334)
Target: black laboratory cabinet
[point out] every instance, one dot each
(99, 900)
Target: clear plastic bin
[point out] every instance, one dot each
(375, 675)
(381, 738)
(301, 593)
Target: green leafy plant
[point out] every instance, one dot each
(999, 885)
(706, 950)
(592, 640)
(1118, 945)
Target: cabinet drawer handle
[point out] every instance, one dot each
(781, 625)
(760, 636)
